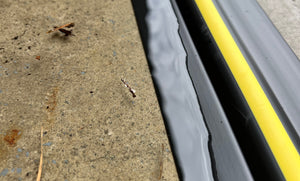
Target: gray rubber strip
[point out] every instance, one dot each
(179, 103)
(228, 160)
(273, 62)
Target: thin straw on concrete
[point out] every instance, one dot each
(41, 159)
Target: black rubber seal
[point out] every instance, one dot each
(258, 155)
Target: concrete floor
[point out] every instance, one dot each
(285, 14)
(93, 128)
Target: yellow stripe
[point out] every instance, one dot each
(280, 143)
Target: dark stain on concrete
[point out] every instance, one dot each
(12, 136)
(8, 141)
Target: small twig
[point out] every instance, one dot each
(66, 32)
(41, 158)
(69, 25)
(130, 89)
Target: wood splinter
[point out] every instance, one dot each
(61, 29)
(130, 89)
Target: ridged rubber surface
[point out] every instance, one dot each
(273, 62)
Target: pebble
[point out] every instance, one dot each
(110, 133)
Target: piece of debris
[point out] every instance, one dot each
(41, 158)
(61, 29)
(66, 32)
(130, 89)
(38, 57)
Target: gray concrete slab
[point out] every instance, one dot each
(286, 17)
(93, 128)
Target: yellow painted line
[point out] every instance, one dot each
(277, 138)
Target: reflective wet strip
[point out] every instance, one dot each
(275, 134)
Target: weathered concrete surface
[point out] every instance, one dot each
(93, 128)
(285, 14)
